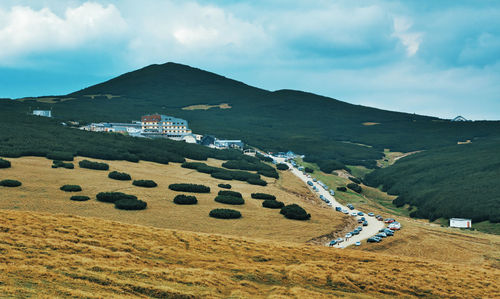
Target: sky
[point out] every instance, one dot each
(439, 58)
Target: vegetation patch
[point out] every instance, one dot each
(113, 196)
(308, 170)
(225, 186)
(130, 204)
(230, 200)
(144, 183)
(222, 175)
(79, 198)
(259, 182)
(355, 187)
(230, 193)
(355, 180)
(61, 156)
(264, 196)
(71, 188)
(93, 165)
(272, 204)
(4, 163)
(195, 188)
(282, 166)
(61, 164)
(225, 214)
(10, 183)
(342, 189)
(295, 211)
(121, 176)
(182, 199)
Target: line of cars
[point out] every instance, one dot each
(385, 232)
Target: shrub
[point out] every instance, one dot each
(295, 211)
(4, 163)
(206, 169)
(282, 166)
(222, 175)
(130, 204)
(272, 204)
(230, 193)
(308, 170)
(61, 156)
(263, 196)
(113, 196)
(71, 188)
(144, 183)
(80, 198)
(225, 214)
(121, 176)
(182, 199)
(343, 189)
(189, 188)
(257, 182)
(354, 187)
(355, 180)
(58, 163)
(192, 165)
(270, 173)
(10, 183)
(93, 165)
(225, 186)
(230, 200)
(244, 175)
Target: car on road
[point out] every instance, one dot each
(339, 240)
(332, 193)
(354, 214)
(350, 206)
(381, 235)
(360, 228)
(315, 180)
(373, 240)
(365, 223)
(355, 232)
(309, 183)
(389, 232)
(362, 218)
(333, 242)
(357, 243)
(348, 235)
(371, 214)
(338, 209)
(345, 211)
(322, 197)
(360, 214)
(360, 221)
(389, 220)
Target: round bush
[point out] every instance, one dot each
(230, 193)
(259, 182)
(71, 188)
(10, 183)
(263, 196)
(189, 188)
(121, 176)
(272, 204)
(225, 214)
(93, 165)
(182, 199)
(225, 186)
(308, 170)
(144, 183)
(230, 200)
(282, 166)
(4, 163)
(354, 187)
(130, 204)
(343, 189)
(80, 198)
(295, 211)
(113, 196)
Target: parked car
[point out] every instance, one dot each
(315, 180)
(339, 240)
(373, 240)
(355, 232)
(350, 206)
(381, 235)
(389, 220)
(322, 197)
(365, 223)
(348, 235)
(345, 211)
(360, 228)
(360, 214)
(389, 232)
(333, 242)
(354, 214)
(362, 218)
(338, 209)
(357, 243)
(309, 183)
(371, 214)
(360, 221)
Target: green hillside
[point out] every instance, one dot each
(331, 133)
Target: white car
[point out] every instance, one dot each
(345, 211)
(348, 235)
(354, 214)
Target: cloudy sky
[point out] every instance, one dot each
(439, 58)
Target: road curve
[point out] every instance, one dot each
(368, 231)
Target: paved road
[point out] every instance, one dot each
(373, 224)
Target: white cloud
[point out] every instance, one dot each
(411, 40)
(26, 31)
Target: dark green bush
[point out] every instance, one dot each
(189, 188)
(130, 204)
(295, 211)
(272, 204)
(230, 193)
(93, 165)
(355, 180)
(264, 158)
(80, 198)
(263, 196)
(282, 166)
(113, 196)
(71, 188)
(230, 200)
(308, 170)
(192, 165)
(270, 173)
(207, 169)
(225, 214)
(182, 199)
(354, 187)
(4, 163)
(343, 189)
(144, 183)
(257, 182)
(61, 156)
(225, 186)
(222, 175)
(121, 176)
(10, 183)
(58, 164)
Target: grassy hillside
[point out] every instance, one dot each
(70, 256)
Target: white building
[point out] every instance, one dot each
(460, 222)
(44, 113)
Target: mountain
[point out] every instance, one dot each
(331, 133)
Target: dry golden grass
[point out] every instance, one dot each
(47, 255)
(464, 142)
(40, 192)
(370, 124)
(49, 100)
(108, 96)
(206, 107)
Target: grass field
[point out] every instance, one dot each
(45, 255)
(206, 107)
(40, 192)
